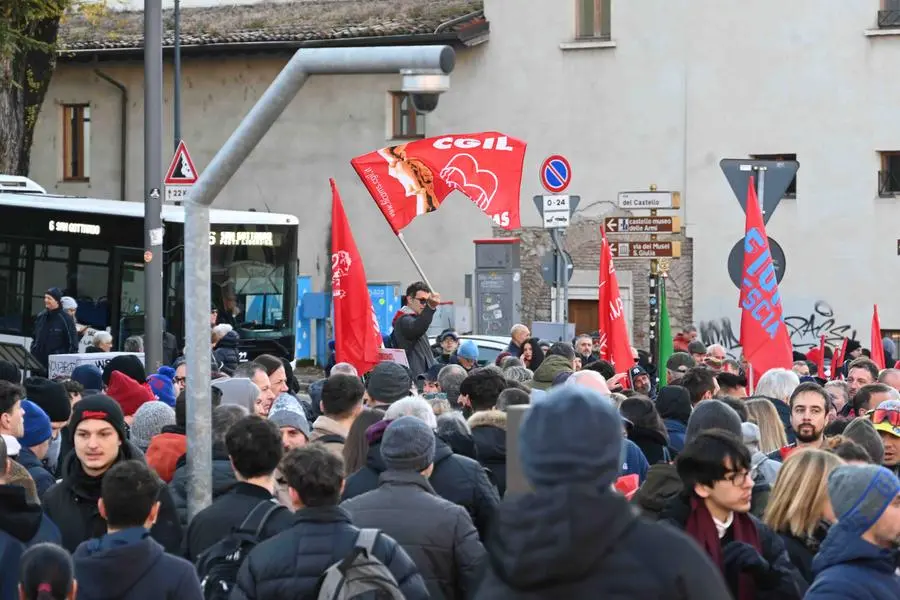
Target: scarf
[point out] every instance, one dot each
(701, 527)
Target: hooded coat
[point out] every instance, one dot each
(580, 543)
(226, 352)
(130, 565)
(54, 333)
(72, 504)
(489, 433)
(458, 479)
(549, 369)
(849, 568)
(411, 335)
(22, 524)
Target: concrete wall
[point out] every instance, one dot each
(683, 84)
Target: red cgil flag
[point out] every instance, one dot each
(820, 363)
(877, 348)
(413, 179)
(764, 336)
(357, 338)
(614, 344)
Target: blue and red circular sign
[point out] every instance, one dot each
(556, 174)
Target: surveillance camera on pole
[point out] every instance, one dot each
(424, 87)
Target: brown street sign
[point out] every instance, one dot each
(645, 249)
(642, 224)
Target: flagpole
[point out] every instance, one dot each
(414, 261)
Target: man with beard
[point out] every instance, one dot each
(809, 404)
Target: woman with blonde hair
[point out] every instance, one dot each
(799, 508)
(771, 431)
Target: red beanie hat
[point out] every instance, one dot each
(127, 392)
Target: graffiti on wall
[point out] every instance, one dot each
(804, 329)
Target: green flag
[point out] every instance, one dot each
(664, 349)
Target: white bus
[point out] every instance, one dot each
(93, 250)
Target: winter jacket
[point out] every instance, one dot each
(514, 349)
(22, 524)
(290, 564)
(549, 369)
(581, 543)
(850, 568)
(214, 522)
(54, 333)
(802, 551)
(652, 443)
(438, 535)
(72, 504)
(43, 479)
(765, 468)
(790, 585)
(455, 478)
(661, 486)
(222, 481)
(676, 430)
(130, 565)
(635, 462)
(411, 335)
(165, 450)
(226, 352)
(489, 432)
(326, 426)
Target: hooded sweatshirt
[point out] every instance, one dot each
(240, 391)
(22, 524)
(130, 565)
(549, 369)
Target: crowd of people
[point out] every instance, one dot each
(668, 481)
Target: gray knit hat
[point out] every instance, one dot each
(287, 412)
(407, 445)
(149, 420)
(860, 494)
(712, 414)
(861, 431)
(388, 382)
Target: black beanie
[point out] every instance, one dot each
(56, 294)
(10, 372)
(674, 402)
(50, 396)
(127, 364)
(100, 407)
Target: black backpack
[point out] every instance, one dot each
(218, 566)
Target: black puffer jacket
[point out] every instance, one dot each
(455, 478)
(438, 535)
(579, 543)
(290, 564)
(226, 352)
(54, 333)
(489, 432)
(790, 586)
(72, 504)
(222, 480)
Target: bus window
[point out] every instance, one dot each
(51, 269)
(13, 262)
(92, 284)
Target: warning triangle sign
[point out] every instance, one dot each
(181, 171)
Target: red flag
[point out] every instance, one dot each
(356, 334)
(837, 360)
(413, 179)
(817, 355)
(614, 344)
(764, 336)
(877, 349)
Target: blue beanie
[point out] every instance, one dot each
(162, 384)
(860, 494)
(90, 377)
(571, 435)
(37, 425)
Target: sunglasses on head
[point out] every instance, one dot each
(890, 416)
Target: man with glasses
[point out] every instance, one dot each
(810, 405)
(411, 325)
(714, 510)
(886, 419)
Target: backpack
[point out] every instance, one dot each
(359, 573)
(218, 566)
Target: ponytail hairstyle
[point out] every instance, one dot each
(46, 573)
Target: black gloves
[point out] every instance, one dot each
(741, 557)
